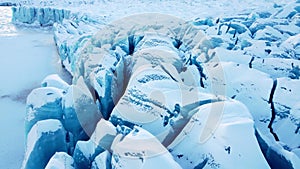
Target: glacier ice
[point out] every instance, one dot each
(55, 81)
(219, 147)
(71, 121)
(43, 103)
(285, 111)
(44, 139)
(157, 73)
(149, 108)
(41, 16)
(140, 149)
(292, 46)
(85, 152)
(80, 104)
(277, 67)
(253, 92)
(60, 160)
(275, 154)
(103, 160)
(289, 11)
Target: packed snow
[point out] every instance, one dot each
(22, 70)
(160, 84)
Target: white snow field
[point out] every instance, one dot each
(27, 56)
(155, 84)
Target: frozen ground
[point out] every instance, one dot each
(21, 71)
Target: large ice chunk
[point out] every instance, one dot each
(242, 83)
(80, 112)
(226, 142)
(275, 153)
(44, 139)
(103, 160)
(60, 160)
(140, 149)
(286, 124)
(147, 102)
(43, 103)
(55, 81)
(292, 46)
(278, 67)
(85, 153)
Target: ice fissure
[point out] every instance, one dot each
(250, 63)
(273, 111)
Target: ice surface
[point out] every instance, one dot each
(276, 155)
(40, 16)
(278, 67)
(292, 46)
(60, 160)
(55, 80)
(231, 145)
(103, 160)
(154, 75)
(249, 86)
(140, 149)
(12, 126)
(286, 123)
(46, 132)
(43, 103)
(23, 70)
(85, 153)
(81, 114)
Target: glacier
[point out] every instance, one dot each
(60, 160)
(157, 77)
(44, 139)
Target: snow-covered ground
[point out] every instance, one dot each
(27, 56)
(245, 50)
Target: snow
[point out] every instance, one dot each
(103, 160)
(221, 135)
(12, 127)
(27, 67)
(277, 67)
(140, 149)
(43, 103)
(85, 152)
(55, 81)
(104, 134)
(21, 72)
(284, 117)
(39, 97)
(252, 88)
(45, 132)
(246, 51)
(60, 160)
(292, 46)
